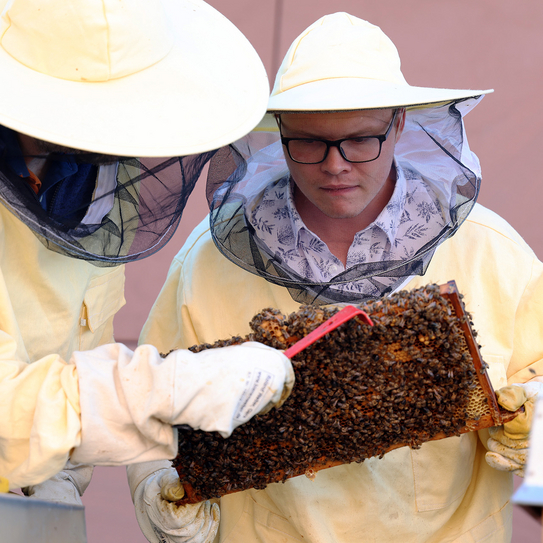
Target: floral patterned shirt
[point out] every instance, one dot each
(412, 216)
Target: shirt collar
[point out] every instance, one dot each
(390, 217)
(60, 167)
(297, 224)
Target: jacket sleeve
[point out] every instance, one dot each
(39, 415)
(527, 359)
(127, 403)
(169, 324)
(41, 424)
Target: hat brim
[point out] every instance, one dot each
(210, 90)
(351, 94)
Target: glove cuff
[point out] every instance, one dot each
(137, 473)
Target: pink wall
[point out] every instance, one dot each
(455, 43)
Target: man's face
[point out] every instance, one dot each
(338, 188)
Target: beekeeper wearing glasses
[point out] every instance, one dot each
(369, 187)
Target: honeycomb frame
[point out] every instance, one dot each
(271, 448)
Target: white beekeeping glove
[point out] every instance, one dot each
(130, 400)
(67, 486)
(154, 487)
(508, 444)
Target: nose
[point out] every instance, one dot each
(334, 163)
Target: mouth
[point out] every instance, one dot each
(340, 189)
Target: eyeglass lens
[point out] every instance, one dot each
(362, 149)
(354, 150)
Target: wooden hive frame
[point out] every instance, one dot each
(393, 390)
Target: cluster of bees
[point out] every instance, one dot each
(360, 391)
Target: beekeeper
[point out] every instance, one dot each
(371, 187)
(86, 86)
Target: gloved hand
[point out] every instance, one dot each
(240, 381)
(67, 486)
(130, 400)
(155, 486)
(508, 444)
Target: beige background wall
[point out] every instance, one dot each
(472, 44)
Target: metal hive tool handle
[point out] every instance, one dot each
(347, 313)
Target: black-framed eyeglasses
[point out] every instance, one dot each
(315, 151)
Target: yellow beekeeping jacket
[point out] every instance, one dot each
(443, 492)
(50, 306)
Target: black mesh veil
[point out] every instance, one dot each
(433, 143)
(132, 209)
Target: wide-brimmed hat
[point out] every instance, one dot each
(130, 78)
(342, 63)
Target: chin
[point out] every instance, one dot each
(341, 213)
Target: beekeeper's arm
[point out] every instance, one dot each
(508, 444)
(112, 406)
